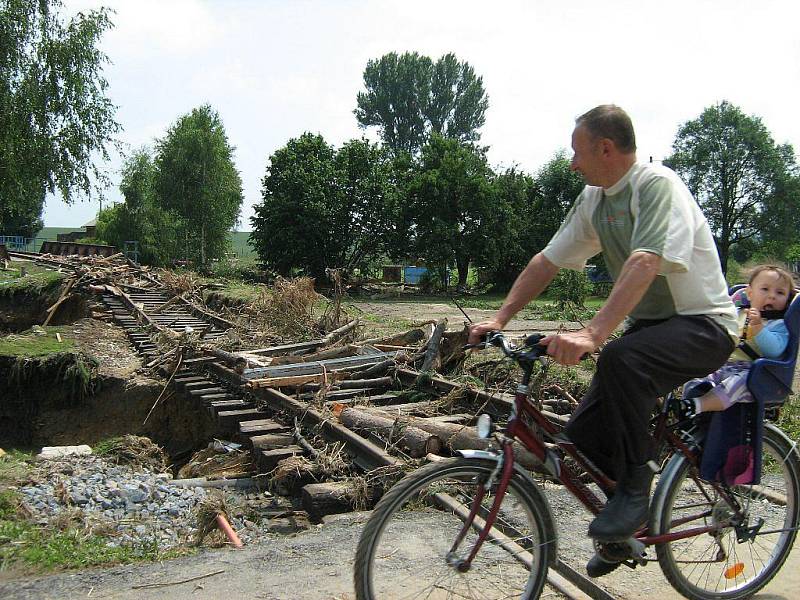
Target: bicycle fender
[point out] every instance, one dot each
(479, 454)
(674, 466)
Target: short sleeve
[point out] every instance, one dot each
(663, 225)
(576, 240)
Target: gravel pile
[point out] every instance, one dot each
(135, 506)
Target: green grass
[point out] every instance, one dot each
(47, 549)
(71, 546)
(36, 280)
(789, 420)
(239, 244)
(33, 344)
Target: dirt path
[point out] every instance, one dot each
(317, 565)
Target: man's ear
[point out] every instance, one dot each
(607, 146)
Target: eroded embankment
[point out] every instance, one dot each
(69, 398)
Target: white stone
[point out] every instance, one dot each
(51, 452)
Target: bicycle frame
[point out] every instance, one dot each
(517, 429)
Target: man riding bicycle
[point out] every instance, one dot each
(658, 248)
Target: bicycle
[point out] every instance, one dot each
(478, 526)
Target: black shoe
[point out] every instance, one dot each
(599, 566)
(628, 510)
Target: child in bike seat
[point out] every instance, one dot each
(762, 334)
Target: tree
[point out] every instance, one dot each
(409, 97)
(732, 166)
(140, 218)
(54, 112)
(198, 181)
(324, 208)
(453, 205)
(531, 209)
(368, 190)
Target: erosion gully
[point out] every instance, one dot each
(251, 403)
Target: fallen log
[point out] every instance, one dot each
(410, 337)
(337, 334)
(432, 359)
(334, 497)
(453, 437)
(412, 439)
(367, 454)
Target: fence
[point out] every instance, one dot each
(22, 244)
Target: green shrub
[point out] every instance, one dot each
(570, 287)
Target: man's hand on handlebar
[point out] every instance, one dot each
(570, 347)
(479, 330)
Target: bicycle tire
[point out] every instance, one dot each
(708, 567)
(402, 552)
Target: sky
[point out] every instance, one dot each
(275, 69)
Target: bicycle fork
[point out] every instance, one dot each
(505, 466)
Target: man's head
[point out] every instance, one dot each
(604, 145)
(770, 288)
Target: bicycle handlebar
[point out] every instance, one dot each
(529, 350)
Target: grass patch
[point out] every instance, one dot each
(789, 420)
(22, 543)
(14, 468)
(37, 342)
(36, 280)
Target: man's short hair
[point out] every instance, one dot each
(610, 121)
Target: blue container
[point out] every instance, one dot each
(413, 275)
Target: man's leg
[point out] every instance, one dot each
(611, 424)
(632, 372)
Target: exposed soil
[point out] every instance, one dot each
(315, 564)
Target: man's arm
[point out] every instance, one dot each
(637, 274)
(529, 284)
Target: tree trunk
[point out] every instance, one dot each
(417, 442)
(462, 265)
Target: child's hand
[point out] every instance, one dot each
(756, 322)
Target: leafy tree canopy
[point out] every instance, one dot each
(54, 112)
(532, 209)
(733, 167)
(409, 97)
(452, 203)
(140, 218)
(324, 208)
(198, 181)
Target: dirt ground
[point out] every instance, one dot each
(317, 564)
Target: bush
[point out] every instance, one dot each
(570, 287)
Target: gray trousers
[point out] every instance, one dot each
(651, 359)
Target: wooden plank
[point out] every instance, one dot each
(205, 391)
(268, 459)
(297, 380)
(367, 454)
(271, 441)
(333, 364)
(230, 420)
(258, 425)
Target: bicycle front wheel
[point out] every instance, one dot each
(733, 562)
(406, 549)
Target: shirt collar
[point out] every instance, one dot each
(623, 181)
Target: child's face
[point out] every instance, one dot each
(768, 291)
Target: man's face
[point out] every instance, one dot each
(587, 157)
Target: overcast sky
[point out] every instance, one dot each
(275, 69)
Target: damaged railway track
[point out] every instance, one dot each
(378, 402)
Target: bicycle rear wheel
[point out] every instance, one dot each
(405, 550)
(731, 563)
